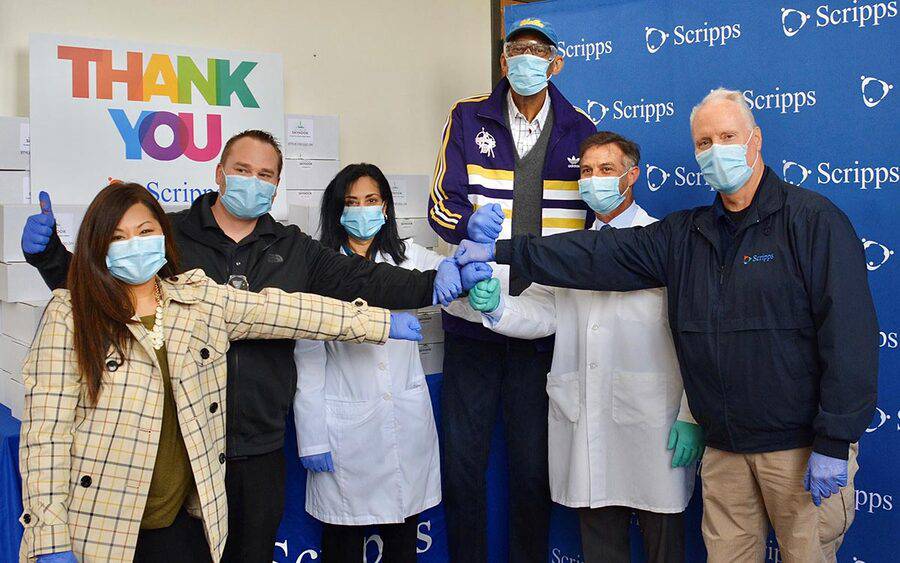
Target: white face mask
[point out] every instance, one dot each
(725, 166)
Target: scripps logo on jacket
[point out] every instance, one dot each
(751, 258)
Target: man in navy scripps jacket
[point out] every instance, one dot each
(513, 156)
(775, 330)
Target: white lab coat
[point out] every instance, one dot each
(369, 406)
(615, 390)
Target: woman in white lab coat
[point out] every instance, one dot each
(616, 397)
(365, 428)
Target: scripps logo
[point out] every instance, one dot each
(856, 13)
(656, 177)
(587, 50)
(857, 175)
(792, 21)
(681, 176)
(782, 101)
(794, 172)
(877, 254)
(643, 110)
(710, 35)
(874, 90)
(751, 259)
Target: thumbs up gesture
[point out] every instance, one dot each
(39, 228)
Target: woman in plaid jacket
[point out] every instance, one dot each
(123, 438)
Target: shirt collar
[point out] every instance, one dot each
(621, 221)
(514, 112)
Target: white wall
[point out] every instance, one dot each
(389, 68)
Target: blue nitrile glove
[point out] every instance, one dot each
(405, 326)
(485, 224)
(318, 463)
(39, 228)
(470, 274)
(687, 441)
(470, 251)
(61, 557)
(485, 296)
(447, 283)
(825, 476)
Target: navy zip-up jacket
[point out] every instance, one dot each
(776, 340)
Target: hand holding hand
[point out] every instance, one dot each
(447, 283)
(824, 476)
(687, 441)
(39, 227)
(318, 463)
(485, 296)
(471, 251)
(470, 274)
(405, 326)
(486, 223)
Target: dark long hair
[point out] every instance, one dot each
(101, 304)
(332, 233)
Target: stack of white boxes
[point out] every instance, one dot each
(18, 281)
(311, 160)
(410, 192)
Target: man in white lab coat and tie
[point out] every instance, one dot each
(622, 439)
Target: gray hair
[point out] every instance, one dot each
(730, 95)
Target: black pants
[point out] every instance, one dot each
(480, 378)
(184, 541)
(604, 535)
(345, 544)
(255, 488)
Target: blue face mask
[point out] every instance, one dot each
(136, 260)
(247, 197)
(527, 74)
(725, 166)
(362, 222)
(601, 193)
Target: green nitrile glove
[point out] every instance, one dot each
(485, 295)
(688, 442)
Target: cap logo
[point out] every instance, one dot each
(534, 22)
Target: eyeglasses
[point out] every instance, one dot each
(536, 48)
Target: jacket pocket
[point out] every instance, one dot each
(565, 396)
(639, 398)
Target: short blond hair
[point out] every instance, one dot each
(721, 93)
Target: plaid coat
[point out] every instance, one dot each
(86, 470)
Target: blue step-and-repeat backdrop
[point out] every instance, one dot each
(820, 77)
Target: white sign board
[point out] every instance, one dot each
(153, 114)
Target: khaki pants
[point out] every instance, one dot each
(743, 493)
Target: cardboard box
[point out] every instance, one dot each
(12, 356)
(312, 136)
(411, 192)
(16, 398)
(432, 356)
(21, 282)
(12, 221)
(5, 389)
(432, 329)
(20, 320)
(302, 174)
(419, 230)
(303, 210)
(15, 186)
(15, 143)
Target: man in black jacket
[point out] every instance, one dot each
(774, 327)
(235, 240)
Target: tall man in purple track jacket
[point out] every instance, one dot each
(508, 164)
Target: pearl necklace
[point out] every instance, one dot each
(156, 334)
